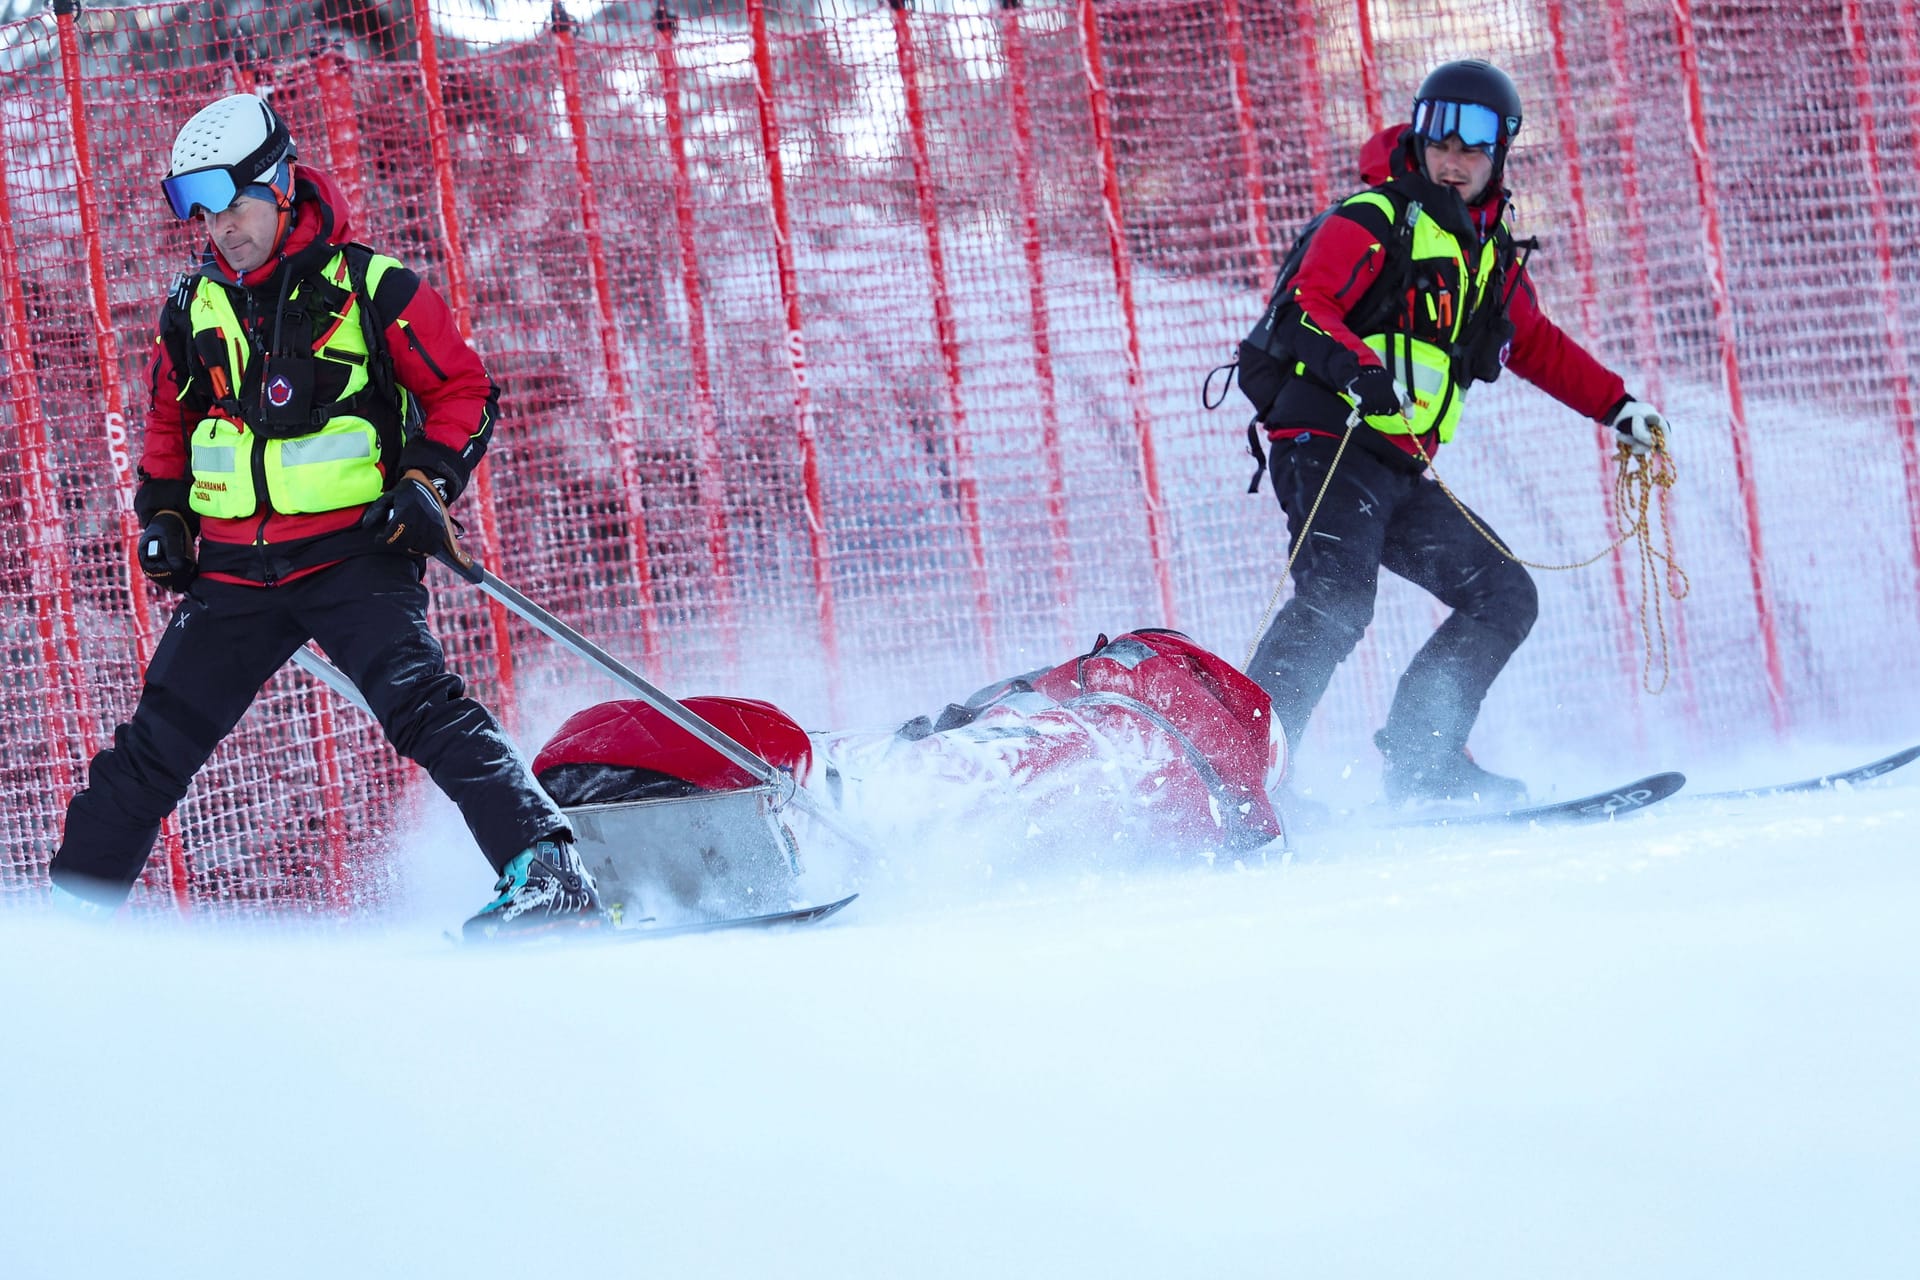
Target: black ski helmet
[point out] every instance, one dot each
(1445, 105)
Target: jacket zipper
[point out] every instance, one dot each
(421, 351)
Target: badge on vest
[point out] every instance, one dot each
(286, 397)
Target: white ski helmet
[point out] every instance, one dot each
(228, 146)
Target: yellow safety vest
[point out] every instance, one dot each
(1423, 367)
(331, 467)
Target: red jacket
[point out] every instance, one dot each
(1342, 260)
(430, 359)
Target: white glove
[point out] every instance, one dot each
(1635, 423)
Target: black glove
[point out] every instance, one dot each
(165, 551)
(1375, 394)
(411, 517)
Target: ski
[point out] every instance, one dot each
(1601, 806)
(1825, 782)
(644, 931)
(773, 919)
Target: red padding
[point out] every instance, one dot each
(632, 733)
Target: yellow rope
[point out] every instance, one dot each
(1634, 487)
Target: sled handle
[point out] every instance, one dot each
(654, 697)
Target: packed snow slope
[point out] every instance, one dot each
(1685, 1045)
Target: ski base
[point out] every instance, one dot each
(1825, 782)
(643, 931)
(1601, 806)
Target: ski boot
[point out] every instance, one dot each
(545, 889)
(1438, 776)
(78, 907)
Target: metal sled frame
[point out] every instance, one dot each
(708, 856)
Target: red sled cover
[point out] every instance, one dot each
(626, 750)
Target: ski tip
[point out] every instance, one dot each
(810, 915)
(1868, 772)
(831, 907)
(1600, 806)
(1838, 779)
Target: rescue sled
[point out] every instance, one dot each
(683, 811)
(673, 832)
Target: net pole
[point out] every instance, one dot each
(334, 77)
(1249, 138)
(1898, 367)
(709, 464)
(1626, 90)
(1102, 109)
(626, 447)
(1910, 71)
(946, 331)
(803, 407)
(325, 732)
(1314, 94)
(1567, 112)
(1013, 44)
(107, 360)
(1714, 248)
(460, 298)
(1623, 73)
(1369, 68)
(53, 615)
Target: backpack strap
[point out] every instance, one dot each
(373, 326)
(175, 331)
(1259, 454)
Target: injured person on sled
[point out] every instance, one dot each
(1148, 750)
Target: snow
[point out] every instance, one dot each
(1684, 1045)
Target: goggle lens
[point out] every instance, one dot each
(209, 189)
(1473, 124)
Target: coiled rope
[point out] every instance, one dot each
(1638, 480)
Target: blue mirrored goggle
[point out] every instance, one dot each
(1473, 124)
(213, 190)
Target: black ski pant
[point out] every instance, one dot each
(1376, 515)
(369, 614)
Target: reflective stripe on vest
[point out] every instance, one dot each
(327, 471)
(222, 470)
(333, 467)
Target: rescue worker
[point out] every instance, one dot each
(1407, 294)
(314, 411)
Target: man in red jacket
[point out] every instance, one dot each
(314, 410)
(1409, 293)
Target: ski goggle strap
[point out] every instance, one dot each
(1473, 124)
(215, 189)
